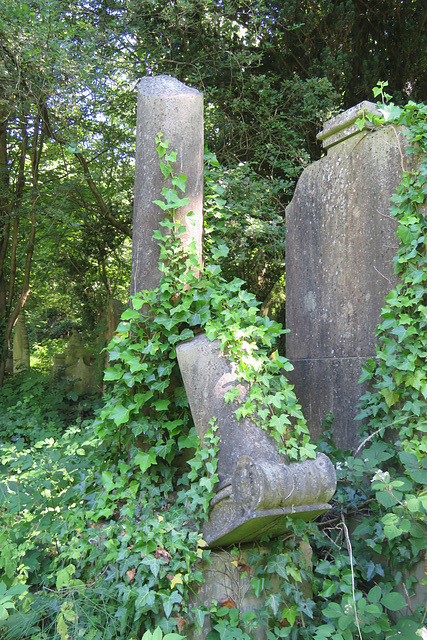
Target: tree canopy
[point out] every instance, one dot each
(270, 72)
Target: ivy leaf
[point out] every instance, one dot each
(394, 601)
(274, 600)
(200, 616)
(324, 632)
(220, 251)
(177, 579)
(391, 397)
(390, 112)
(164, 207)
(131, 314)
(168, 602)
(329, 588)
(161, 405)
(146, 597)
(179, 181)
(166, 169)
(145, 459)
(290, 614)
(113, 373)
(400, 332)
(107, 481)
(153, 563)
(119, 414)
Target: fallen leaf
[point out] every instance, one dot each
(180, 622)
(228, 602)
(162, 553)
(131, 575)
(244, 567)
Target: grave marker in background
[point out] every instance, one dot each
(21, 346)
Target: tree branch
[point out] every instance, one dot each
(121, 226)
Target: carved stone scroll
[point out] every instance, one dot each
(257, 488)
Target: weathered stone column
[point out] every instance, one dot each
(165, 106)
(340, 244)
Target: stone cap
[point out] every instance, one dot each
(344, 125)
(164, 86)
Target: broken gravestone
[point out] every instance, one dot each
(258, 489)
(170, 107)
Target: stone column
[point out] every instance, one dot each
(340, 244)
(21, 346)
(165, 106)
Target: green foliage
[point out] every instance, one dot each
(247, 221)
(34, 406)
(113, 533)
(6, 598)
(59, 165)
(185, 303)
(270, 73)
(158, 635)
(361, 554)
(364, 551)
(113, 529)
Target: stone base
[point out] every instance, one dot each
(226, 528)
(227, 577)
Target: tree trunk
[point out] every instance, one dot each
(10, 307)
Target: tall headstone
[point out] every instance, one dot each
(165, 106)
(340, 244)
(21, 346)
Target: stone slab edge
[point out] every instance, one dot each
(344, 125)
